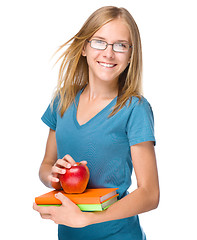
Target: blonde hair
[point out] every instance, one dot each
(73, 72)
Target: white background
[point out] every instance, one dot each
(31, 31)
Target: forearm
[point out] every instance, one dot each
(134, 203)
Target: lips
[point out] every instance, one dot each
(107, 65)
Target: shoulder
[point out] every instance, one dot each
(135, 109)
(55, 102)
(140, 124)
(135, 103)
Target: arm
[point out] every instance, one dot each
(51, 167)
(145, 197)
(50, 158)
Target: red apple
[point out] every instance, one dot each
(75, 179)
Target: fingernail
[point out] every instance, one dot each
(75, 164)
(63, 171)
(68, 165)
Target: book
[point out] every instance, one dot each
(97, 199)
(90, 196)
(89, 207)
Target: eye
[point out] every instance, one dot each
(122, 45)
(98, 41)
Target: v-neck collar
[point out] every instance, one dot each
(99, 114)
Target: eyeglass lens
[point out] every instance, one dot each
(102, 45)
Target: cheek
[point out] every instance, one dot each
(89, 60)
(125, 62)
(92, 57)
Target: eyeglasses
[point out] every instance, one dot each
(102, 45)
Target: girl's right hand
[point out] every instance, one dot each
(60, 168)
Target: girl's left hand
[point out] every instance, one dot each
(67, 214)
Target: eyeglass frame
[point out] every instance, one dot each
(107, 44)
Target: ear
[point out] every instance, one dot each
(83, 53)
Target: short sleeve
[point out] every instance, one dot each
(140, 127)
(50, 115)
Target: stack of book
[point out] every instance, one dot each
(97, 199)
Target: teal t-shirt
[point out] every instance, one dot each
(105, 144)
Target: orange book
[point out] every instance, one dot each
(90, 196)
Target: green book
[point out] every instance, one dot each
(89, 207)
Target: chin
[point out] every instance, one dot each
(108, 79)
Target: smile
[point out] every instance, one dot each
(107, 65)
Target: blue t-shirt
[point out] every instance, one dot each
(105, 144)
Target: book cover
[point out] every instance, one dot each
(90, 196)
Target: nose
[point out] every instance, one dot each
(108, 52)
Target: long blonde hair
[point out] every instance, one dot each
(73, 72)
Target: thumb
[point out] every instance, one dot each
(62, 198)
(84, 162)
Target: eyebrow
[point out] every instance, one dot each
(98, 37)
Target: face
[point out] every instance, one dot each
(107, 65)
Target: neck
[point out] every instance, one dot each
(101, 91)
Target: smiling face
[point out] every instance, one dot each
(107, 65)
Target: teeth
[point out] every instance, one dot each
(107, 65)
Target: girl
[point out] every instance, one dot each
(99, 117)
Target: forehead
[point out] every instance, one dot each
(115, 30)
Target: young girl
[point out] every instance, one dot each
(99, 117)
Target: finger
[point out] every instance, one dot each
(65, 201)
(46, 216)
(53, 179)
(69, 159)
(42, 210)
(63, 163)
(58, 170)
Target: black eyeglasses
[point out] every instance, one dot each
(102, 45)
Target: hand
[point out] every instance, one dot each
(60, 168)
(67, 214)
